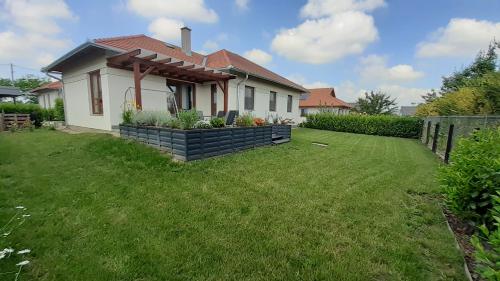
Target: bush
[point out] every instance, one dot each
(218, 122)
(488, 258)
(174, 123)
(471, 180)
(245, 120)
(59, 110)
(188, 118)
(151, 118)
(202, 125)
(48, 114)
(34, 110)
(382, 125)
(127, 116)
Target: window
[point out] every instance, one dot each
(289, 104)
(249, 97)
(95, 92)
(272, 101)
(303, 112)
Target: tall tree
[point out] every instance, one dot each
(430, 96)
(484, 63)
(377, 103)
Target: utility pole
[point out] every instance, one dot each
(12, 73)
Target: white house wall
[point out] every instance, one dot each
(47, 98)
(77, 93)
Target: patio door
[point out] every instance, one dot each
(213, 100)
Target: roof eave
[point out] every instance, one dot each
(241, 71)
(73, 52)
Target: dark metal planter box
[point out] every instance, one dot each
(195, 144)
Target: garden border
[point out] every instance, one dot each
(187, 145)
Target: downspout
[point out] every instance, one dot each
(63, 94)
(238, 90)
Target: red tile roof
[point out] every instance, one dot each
(324, 97)
(49, 86)
(217, 60)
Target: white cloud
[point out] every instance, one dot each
(404, 95)
(460, 38)
(301, 80)
(242, 5)
(333, 30)
(194, 10)
(374, 68)
(320, 8)
(166, 29)
(31, 37)
(258, 56)
(210, 45)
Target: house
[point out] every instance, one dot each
(322, 99)
(408, 110)
(48, 93)
(101, 77)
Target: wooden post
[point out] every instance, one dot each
(429, 124)
(434, 141)
(137, 84)
(226, 96)
(449, 143)
(2, 121)
(194, 95)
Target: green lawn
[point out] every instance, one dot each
(364, 208)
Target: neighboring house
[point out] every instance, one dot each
(10, 92)
(48, 93)
(322, 99)
(408, 110)
(103, 76)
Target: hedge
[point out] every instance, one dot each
(381, 125)
(25, 108)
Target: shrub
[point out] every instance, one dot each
(25, 108)
(473, 176)
(202, 125)
(188, 118)
(127, 116)
(59, 109)
(151, 118)
(218, 122)
(245, 120)
(488, 258)
(48, 114)
(382, 125)
(174, 123)
(259, 121)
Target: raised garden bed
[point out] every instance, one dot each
(187, 145)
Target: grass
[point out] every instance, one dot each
(363, 208)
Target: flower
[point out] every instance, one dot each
(25, 216)
(25, 251)
(21, 207)
(8, 250)
(23, 263)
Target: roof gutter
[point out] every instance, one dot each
(238, 90)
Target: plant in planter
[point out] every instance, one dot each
(245, 120)
(202, 125)
(188, 118)
(127, 116)
(174, 123)
(151, 118)
(218, 122)
(259, 121)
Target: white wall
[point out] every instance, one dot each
(47, 98)
(77, 93)
(261, 102)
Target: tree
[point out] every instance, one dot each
(430, 97)
(484, 63)
(377, 103)
(26, 84)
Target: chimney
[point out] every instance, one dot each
(186, 40)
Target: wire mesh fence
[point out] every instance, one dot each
(441, 133)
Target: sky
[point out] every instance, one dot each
(402, 48)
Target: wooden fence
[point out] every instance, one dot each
(7, 120)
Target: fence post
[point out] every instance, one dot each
(434, 141)
(429, 124)
(449, 142)
(2, 121)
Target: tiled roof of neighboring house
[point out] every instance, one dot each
(408, 110)
(217, 60)
(225, 59)
(49, 86)
(322, 97)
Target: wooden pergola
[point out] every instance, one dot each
(169, 68)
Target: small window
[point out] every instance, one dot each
(96, 92)
(289, 104)
(272, 101)
(249, 97)
(303, 112)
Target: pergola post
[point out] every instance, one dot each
(225, 96)
(137, 85)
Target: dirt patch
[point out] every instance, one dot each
(463, 232)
